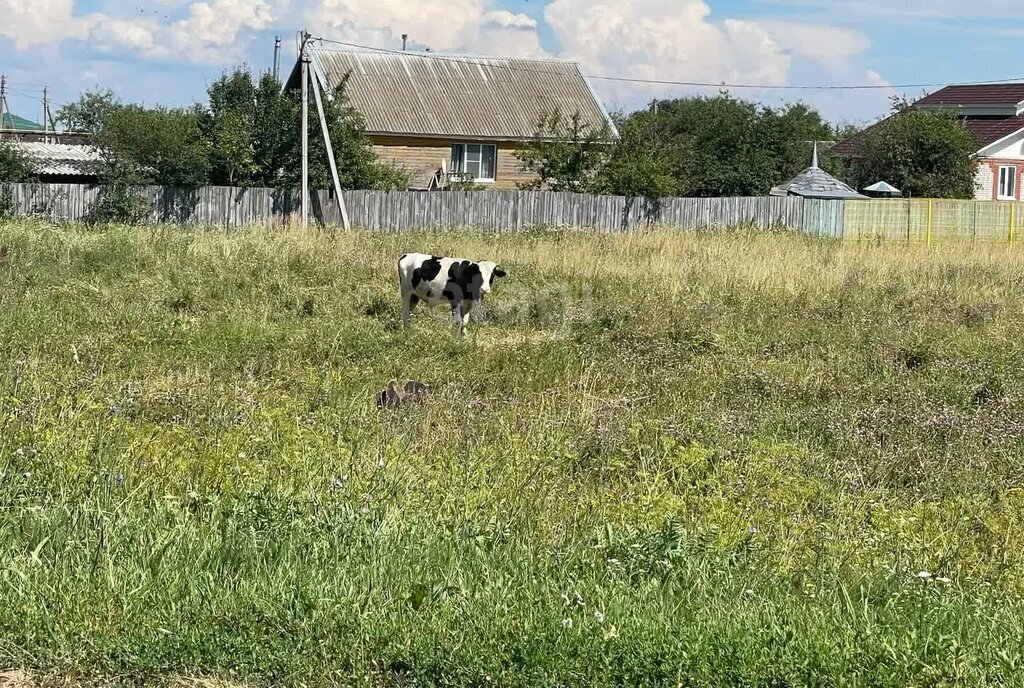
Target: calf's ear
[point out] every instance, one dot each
(498, 272)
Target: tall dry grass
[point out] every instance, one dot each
(706, 459)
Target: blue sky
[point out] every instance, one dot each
(167, 51)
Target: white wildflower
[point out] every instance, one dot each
(599, 617)
(924, 575)
(566, 623)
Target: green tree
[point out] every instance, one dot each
(231, 127)
(567, 154)
(254, 133)
(638, 164)
(89, 112)
(924, 152)
(15, 166)
(720, 146)
(164, 146)
(790, 134)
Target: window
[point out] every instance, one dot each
(475, 161)
(1007, 183)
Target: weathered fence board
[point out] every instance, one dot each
(405, 210)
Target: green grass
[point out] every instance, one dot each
(659, 459)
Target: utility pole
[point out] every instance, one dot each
(330, 151)
(304, 58)
(3, 102)
(49, 126)
(277, 59)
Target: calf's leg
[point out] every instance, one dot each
(409, 302)
(467, 307)
(458, 316)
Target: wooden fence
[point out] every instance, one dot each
(405, 210)
(926, 221)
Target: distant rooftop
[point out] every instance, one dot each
(61, 159)
(990, 94)
(12, 122)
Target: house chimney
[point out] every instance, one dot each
(405, 41)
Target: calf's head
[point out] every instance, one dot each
(490, 271)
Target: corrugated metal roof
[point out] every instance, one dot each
(61, 158)
(452, 96)
(12, 122)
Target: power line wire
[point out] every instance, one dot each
(668, 82)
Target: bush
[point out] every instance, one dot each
(15, 166)
(118, 203)
(7, 207)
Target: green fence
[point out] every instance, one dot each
(931, 221)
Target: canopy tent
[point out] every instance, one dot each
(883, 189)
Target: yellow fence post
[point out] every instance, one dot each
(1013, 221)
(928, 227)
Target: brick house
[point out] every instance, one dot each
(442, 117)
(995, 115)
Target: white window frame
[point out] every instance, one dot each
(1006, 183)
(457, 172)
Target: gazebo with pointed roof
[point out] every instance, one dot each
(815, 182)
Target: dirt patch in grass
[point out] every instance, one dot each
(16, 678)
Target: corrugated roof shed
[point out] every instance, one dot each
(451, 96)
(12, 122)
(60, 159)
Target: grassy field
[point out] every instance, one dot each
(659, 459)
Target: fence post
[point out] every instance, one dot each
(1013, 221)
(928, 229)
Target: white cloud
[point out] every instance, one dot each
(827, 45)
(664, 40)
(680, 40)
(209, 32)
(37, 23)
(454, 26)
(503, 19)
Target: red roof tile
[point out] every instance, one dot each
(993, 94)
(988, 131)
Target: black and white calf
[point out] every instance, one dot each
(457, 282)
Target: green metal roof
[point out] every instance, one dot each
(12, 121)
